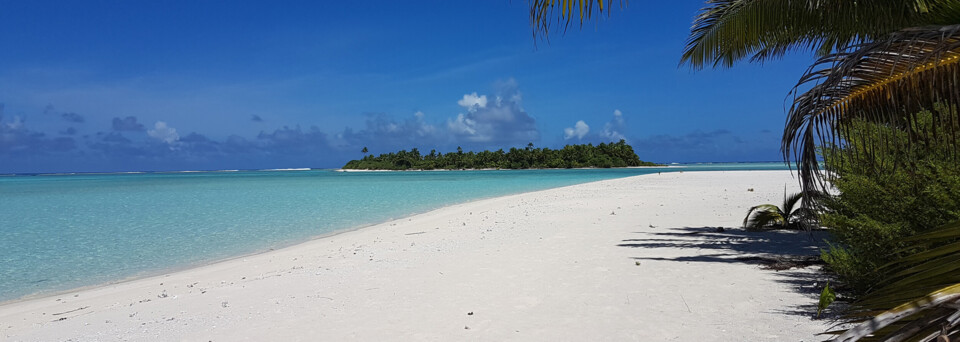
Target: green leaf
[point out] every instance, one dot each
(727, 31)
(826, 298)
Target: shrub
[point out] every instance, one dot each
(883, 199)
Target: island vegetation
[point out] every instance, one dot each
(619, 154)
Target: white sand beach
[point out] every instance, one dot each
(632, 259)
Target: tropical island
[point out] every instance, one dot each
(619, 154)
(870, 218)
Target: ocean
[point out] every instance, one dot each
(59, 232)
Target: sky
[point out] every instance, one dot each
(104, 86)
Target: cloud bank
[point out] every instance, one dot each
(127, 124)
(492, 120)
(501, 121)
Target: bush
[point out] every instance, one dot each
(883, 198)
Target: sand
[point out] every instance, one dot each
(632, 259)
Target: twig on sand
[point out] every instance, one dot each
(685, 304)
(74, 310)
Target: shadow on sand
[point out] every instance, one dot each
(784, 252)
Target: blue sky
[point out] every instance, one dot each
(168, 85)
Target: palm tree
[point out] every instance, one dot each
(880, 61)
(727, 31)
(869, 51)
(788, 216)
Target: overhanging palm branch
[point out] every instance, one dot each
(790, 215)
(928, 282)
(887, 81)
(726, 31)
(544, 13)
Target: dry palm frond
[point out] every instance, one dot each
(726, 31)
(887, 82)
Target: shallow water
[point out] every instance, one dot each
(60, 232)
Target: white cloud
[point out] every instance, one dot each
(472, 102)
(579, 130)
(501, 121)
(17, 123)
(164, 133)
(616, 128)
(462, 125)
(421, 127)
(490, 120)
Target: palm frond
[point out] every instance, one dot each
(920, 301)
(945, 299)
(763, 215)
(790, 202)
(727, 31)
(802, 218)
(545, 13)
(888, 82)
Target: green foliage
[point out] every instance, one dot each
(826, 298)
(880, 60)
(618, 154)
(887, 195)
(918, 299)
(887, 81)
(727, 31)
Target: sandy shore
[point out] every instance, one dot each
(632, 259)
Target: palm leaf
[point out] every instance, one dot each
(790, 202)
(762, 215)
(887, 81)
(726, 31)
(545, 13)
(948, 296)
(803, 218)
(929, 285)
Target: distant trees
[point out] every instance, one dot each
(618, 154)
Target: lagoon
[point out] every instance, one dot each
(61, 232)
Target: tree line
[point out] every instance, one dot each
(619, 154)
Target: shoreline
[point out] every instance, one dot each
(492, 169)
(147, 274)
(522, 262)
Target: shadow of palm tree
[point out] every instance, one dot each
(781, 251)
(731, 243)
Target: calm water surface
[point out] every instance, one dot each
(65, 231)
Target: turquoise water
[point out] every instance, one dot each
(65, 231)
